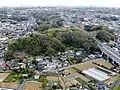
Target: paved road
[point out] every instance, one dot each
(108, 50)
(111, 53)
(21, 86)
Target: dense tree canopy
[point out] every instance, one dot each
(52, 22)
(105, 36)
(78, 39)
(52, 41)
(99, 27)
(101, 32)
(37, 44)
(96, 28)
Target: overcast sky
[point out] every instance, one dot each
(107, 3)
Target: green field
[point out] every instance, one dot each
(71, 70)
(84, 78)
(80, 80)
(85, 66)
(13, 77)
(118, 88)
(117, 79)
(106, 64)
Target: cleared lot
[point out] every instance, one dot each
(71, 83)
(9, 85)
(3, 76)
(33, 85)
(72, 76)
(52, 78)
(86, 65)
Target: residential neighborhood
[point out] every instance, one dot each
(71, 66)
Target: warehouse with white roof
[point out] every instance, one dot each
(96, 74)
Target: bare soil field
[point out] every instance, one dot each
(9, 85)
(72, 82)
(33, 85)
(71, 76)
(52, 78)
(3, 76)
(75, 75)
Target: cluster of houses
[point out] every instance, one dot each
(17, 23)
(13, 25)
(44, 63)
(51, 63)
(90, 16)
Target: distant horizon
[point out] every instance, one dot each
(56, 6)
(62, 3)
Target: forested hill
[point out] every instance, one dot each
(51, 41)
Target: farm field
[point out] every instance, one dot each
(80, 80)
(84, 78)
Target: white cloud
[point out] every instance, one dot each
(110, 3)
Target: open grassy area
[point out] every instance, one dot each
(106, 64)
(13, 77)
(80, 80)
(52, 78)
(44, 81)
(84, 78)
(86, 66)
(118, 88)
(71, 70)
